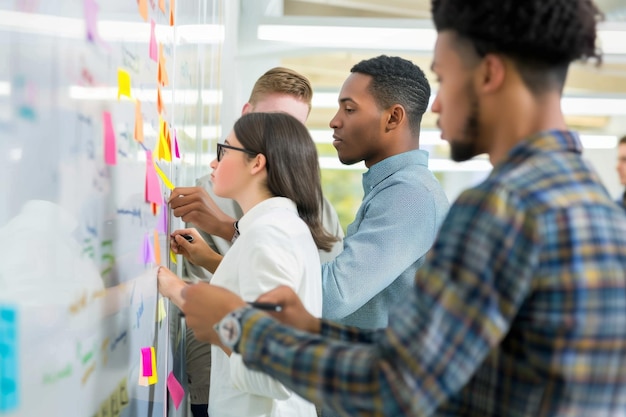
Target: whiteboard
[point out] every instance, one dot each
(79, 242)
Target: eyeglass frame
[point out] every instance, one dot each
(222, 146)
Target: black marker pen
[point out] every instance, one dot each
(266, 306)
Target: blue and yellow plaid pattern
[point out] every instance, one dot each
(520, 309)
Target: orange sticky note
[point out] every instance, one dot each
(153, 187)
(157, 248)
(172, 12)
(110, 147)
(143, 9)
(138, 135)
(123, 84)
(162, 70)
(159, 100)
(162, 5)
(142, 380)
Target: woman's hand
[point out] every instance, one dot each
(198, 252)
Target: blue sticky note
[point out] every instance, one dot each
(9, 382)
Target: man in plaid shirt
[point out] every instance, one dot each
(520, 309)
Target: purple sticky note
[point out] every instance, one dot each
(91, 20)
(162, 224)
(148, 249)
(110, 147)
(176, 152)
(154, 51)
(146, 361)
(176, 390)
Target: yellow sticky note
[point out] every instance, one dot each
(173, 257)
(161, 313)
(123, 84)
(154, 378)
(161, 174)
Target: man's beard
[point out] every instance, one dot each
(466, 148)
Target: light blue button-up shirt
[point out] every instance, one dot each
(402, 209)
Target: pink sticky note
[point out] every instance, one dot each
(148, 250)
(146, 360)
(110, 148)
(176, 390)
(176, 152)
(153, 186)
(91, 20)
(154, 51)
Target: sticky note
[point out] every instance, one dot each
(9, 348)
(123, 83)
(110, 147)
(162, 70)
(173, 257)
(157, 248)
(176, 390)
(148, 250)
(142, 380)
(164, 178)
(143, 9)
(172, 20)
(138, 135)
(91, 20)
(162, 5)
(153, 187)
(176, 151)
(153, 44)
(146, 361)
(153, 379)
(161, 313)
(162, 223)
(159, 100)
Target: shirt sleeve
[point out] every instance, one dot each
(465, 298)
(398, 227)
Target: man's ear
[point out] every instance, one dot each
(258, 164)
(395, 116)
(247, 108)
(491, 73)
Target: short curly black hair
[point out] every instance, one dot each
(396, 80)
(538, 35)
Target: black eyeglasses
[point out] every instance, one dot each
(222, 146)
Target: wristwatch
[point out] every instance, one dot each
(229, 328)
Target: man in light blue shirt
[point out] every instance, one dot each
(381, 105)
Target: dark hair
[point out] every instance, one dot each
(622, 140)
(281, 80)
(292, 165)
(397, 81)
(542, 37)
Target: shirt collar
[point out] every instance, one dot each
(262, 208)
(388, 166)
(546, 141)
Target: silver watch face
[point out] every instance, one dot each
(229, 330)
